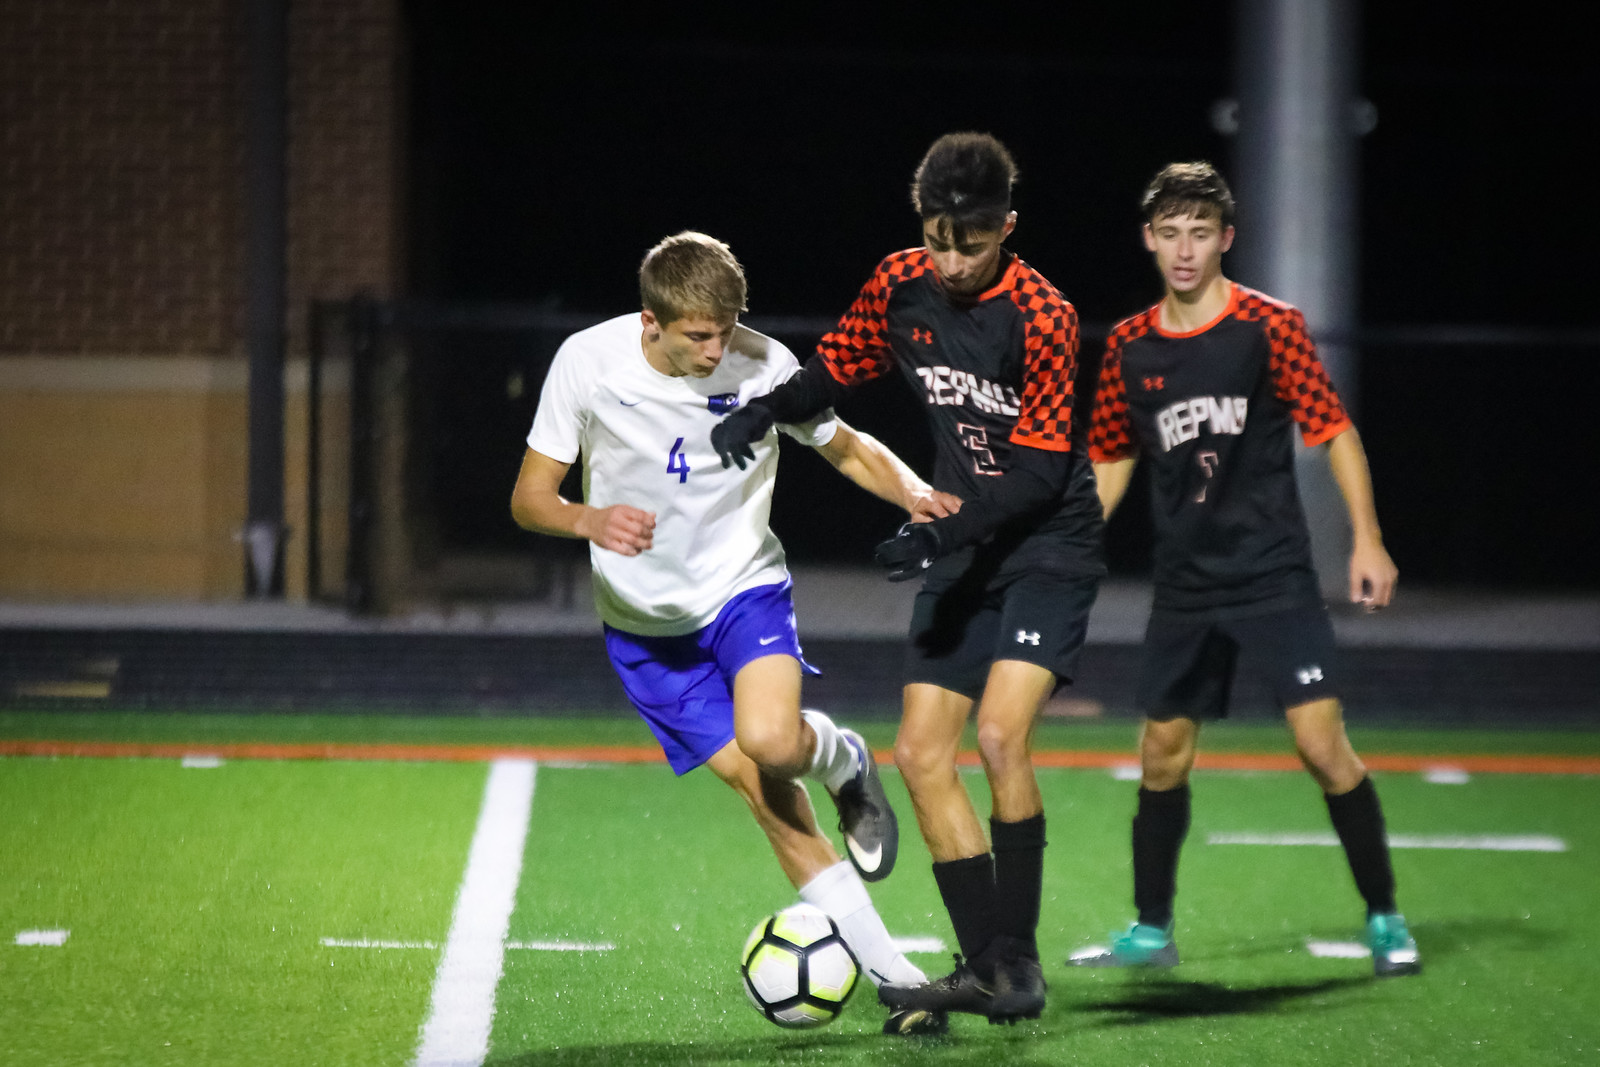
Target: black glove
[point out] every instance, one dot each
(909, 552)
(733, 436)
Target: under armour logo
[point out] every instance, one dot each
(925, 336)
(1027, 637)
(1155, 383)
(1307, 675)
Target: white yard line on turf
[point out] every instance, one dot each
(48, 938)
(1464, 842)
(521, 946)
(457, 1031)
(1338, 950)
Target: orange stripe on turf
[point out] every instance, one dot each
(1226, 761)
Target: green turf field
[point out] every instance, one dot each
(295, 911)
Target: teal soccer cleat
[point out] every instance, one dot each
(1394, 952)
(1141, 945)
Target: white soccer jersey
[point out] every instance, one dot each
(645, 439)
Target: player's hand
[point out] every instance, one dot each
(624, 530)
(934, 504)
(733, 436)
(1372, 576)
(909, 552)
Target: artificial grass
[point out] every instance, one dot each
(196, 899)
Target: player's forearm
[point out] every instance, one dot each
(1348, 461)
(547, 512)
(1111, 482)
(869, 464)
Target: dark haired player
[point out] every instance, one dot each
(1206, 385)
(999, 623)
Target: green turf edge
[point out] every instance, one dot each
(1083, 735)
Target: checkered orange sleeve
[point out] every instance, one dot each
(857, 350)
(1110, 429)
(1050, 336)
(1299, 378)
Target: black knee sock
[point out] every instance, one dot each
(967, 887)
(1159, 828)
(1018, 874)
(1358, 820)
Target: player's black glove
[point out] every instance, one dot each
(733, 436)
(909, 552)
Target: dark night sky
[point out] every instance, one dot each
(548, 152)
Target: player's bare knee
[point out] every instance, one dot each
(776, 749)
(1002, 749)
(1334, 765)
(1166, 754)
(920, 764)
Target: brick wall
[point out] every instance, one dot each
(123, 429)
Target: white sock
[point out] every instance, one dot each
(835, 761)
(840, 892)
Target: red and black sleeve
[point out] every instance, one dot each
(1110, 429)
(1050, 333)
(1299, 378)
(857, 350)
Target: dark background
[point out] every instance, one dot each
(547, 152)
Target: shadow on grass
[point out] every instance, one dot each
(1164, 999)
(1019, 1047)
(1452, 937)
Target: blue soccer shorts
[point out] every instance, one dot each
(683, 685)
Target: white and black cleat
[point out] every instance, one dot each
(871, 832)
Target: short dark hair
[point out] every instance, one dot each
(691, 274)
(1188, 189)
(967, 179)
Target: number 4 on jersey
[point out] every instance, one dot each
(677, 462)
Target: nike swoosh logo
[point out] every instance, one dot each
(635, 404)
(867, 861)
(769, 640)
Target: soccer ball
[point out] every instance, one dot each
(798, 971)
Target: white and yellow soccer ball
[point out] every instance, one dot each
(798, 972)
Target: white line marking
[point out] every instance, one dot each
(1446, 776)
(203, 763)
(51, 938)
(457, 1031)
(337, 942)
(1338, 950)
(1127, 772)
(524, 946)
(918, 944)
(1463, 842)
(562, 946)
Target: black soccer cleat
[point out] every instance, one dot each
(917, 1022)
(871, 832)
(1019, 989)
(960, 990)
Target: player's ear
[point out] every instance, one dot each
(1150, 237)
(652, 325)
(1227, 239)
(1011, 224)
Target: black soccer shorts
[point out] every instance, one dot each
(1190, 660)
(958, 632)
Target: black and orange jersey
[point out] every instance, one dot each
(996, 372)
(1211, 411)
